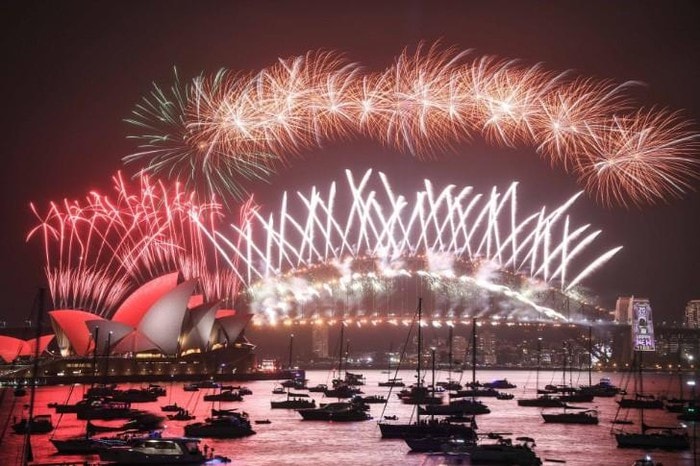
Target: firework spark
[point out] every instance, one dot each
(224, 129)
(99, 248)
(327, 247)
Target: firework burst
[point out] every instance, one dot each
(99, 248)
(320, 246)
(227, 128)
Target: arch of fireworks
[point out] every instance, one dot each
(321, 256)
(223, 128)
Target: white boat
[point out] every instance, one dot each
(175, 450)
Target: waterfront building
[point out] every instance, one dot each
(692, 314)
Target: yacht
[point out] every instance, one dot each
(503, 451)
(226, 395)
(462, 406)
(233, 425)
(338, 412)
(166, 451)
(392, 382)
(294, 401)
(500, 384)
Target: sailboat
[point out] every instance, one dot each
(40, 423)
(583, 416)
(545, 400)
(391, 381)
(465, 403)
(669, 438)
(425, 428)
(343, 387)
(450, 384)
(294, 400)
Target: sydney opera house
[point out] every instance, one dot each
(161, 329)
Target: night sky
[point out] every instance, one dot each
(73, 71)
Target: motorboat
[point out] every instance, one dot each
(172, 408)
(432, 444)
(426, 428)
(181, 415)
(40, 424)
(106, 410)
(87, 444)
(294, 401)
(476, 392)
(500, 384)
(338, 412)
(503, 451)
(542, 401)
(370, 399)
(173, 450)
(320, 388)
(142, 422)
(191, 387)
(419, 395)
(233, 425)
(462, 406)
(298, 383)
(392, 382)
(604, 388)
(342, 390)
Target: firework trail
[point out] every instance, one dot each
(360, 241)
(99, 248)
(221, 130)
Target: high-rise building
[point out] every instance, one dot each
(692, 314)
(319, 341)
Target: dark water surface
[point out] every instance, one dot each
(288, 440)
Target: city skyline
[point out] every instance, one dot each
(74, 80)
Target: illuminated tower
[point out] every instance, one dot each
(623, 309)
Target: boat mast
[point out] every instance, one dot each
(291, 346)
(418, 366)
(340, 350)
(473, 353)
(94, 355)
(590, 354)
(27, 454)
(539, 357)
(106, 354)
(449, 352)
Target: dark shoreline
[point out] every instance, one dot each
(251, 376)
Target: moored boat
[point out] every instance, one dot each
(174, 450)
(40, 424)
(234, 425)
(337, 412)
(589, 416)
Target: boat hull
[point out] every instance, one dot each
(663, 441)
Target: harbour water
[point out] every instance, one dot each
(288, 440)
